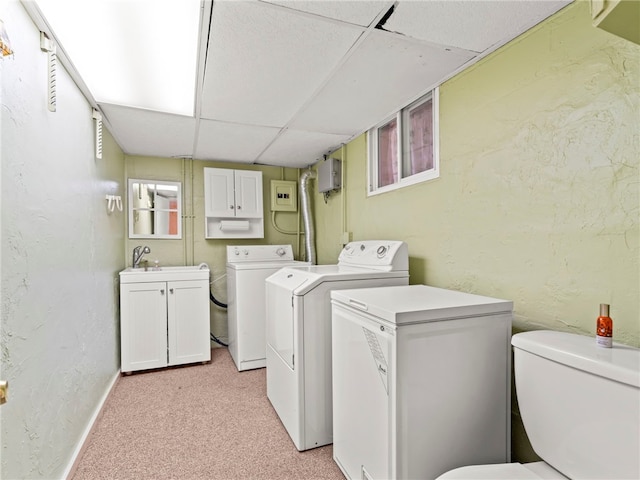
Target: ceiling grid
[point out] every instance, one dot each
(282, 82)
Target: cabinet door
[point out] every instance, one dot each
(219, 192)
(619, 17)
(143, 326)
(188, 322)
(248, 189)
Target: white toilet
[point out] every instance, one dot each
(580, 405)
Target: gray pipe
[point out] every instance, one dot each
(309, 234)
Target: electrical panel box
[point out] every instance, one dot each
(284, 196)
(329, 175)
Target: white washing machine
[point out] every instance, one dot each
(299, 332)
(247, 268)
(421, 381)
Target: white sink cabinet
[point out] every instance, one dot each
(164, 317)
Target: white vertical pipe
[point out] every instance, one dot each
(309, 238)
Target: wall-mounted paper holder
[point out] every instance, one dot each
(114, 202)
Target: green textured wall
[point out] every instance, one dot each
(193, 248)
(538, 196)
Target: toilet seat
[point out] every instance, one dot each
(504, 471)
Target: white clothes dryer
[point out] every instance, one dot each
(299, 332)
(421, 381)
(247, 268)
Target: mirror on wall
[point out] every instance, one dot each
(155, 209)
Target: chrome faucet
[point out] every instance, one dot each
(138, 253)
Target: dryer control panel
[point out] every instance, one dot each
(258, 253)
(387, 255)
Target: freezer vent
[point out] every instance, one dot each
(378, 356)
(365, 474)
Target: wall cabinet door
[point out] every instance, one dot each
(219, 192)
(143, 326)
(248, 189)
(233, 193)
(619, 17)
(188, 322)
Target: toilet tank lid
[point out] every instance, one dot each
(620, 363)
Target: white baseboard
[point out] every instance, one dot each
(87, 431)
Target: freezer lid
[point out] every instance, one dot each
(419, 303)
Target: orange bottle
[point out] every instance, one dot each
(604, 327)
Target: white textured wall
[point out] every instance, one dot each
(60, 255)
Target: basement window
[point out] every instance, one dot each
(403, 149)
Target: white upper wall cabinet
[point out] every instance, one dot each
(233, 203)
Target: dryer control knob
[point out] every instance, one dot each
(237, 252)
(382, 250)
(280, 252)
(246, 252)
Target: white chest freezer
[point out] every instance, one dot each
(421, 381)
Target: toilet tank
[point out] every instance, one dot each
(580, 404)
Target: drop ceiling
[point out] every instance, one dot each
(283, 82)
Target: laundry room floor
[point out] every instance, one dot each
(196, 422)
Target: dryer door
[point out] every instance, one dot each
(280, 315)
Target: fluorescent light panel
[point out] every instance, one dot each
(137, 53)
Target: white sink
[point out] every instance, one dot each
(163, 274)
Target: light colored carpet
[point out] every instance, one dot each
(196, 422)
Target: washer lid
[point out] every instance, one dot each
(287, 279)
(419, 303)
(307, 278)
(275, 264)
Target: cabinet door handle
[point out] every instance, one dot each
(239, 207)
(231, 207)
(162, 291)
(171, 291)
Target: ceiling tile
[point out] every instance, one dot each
(384, 74)
(232, 142)
(144, 132)
(120, 48)
(264, 61)
(277, 70)
(295, 148)
(469, 24)
(359, 12)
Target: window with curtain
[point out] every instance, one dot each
(403, 149)
(388, 153)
